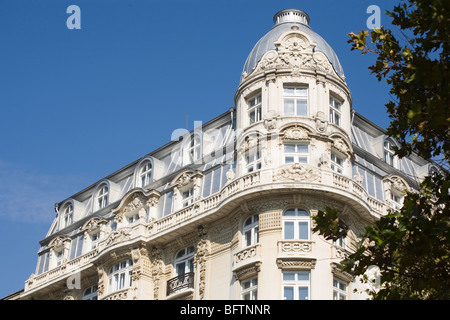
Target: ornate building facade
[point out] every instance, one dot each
(224, 211)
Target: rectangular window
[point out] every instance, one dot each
(296, 153)
(296, 285)
(187, 197)
(335, 111)
(337, 163)
(254, 109)
(295, 101)
(339, 290)
(253, 161)
(249, 289)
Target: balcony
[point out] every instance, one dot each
(180, 284)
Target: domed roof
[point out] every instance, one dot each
(284, 21)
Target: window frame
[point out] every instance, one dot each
(254, 106)
(250, 231)
(187, 197)
(92, 294)
(102, 197)
(253, 160)
(338, 292)
(186, 258)
(251, 291)
(194, 148)
(145, 173)
(120, 276)
(296, 220)
(296, 155)
(389, 154)
(68, 215)
(296, 99)
(335, 106)
(296, 284)
(335, 158)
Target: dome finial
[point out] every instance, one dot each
(291, 15)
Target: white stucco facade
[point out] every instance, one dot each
(225, 211)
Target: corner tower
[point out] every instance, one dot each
(293, 101)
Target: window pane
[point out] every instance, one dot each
(289, 276)
(289, 92)
(302, 148)
(302, 160)
(289, 230)
(302, 293)
(303, 213)
(303, 275)
(288, 293)
(289, 106)
(288, 159)
(302, 92)
(303, 230)
(289, 213)
(289, 148)
(302, 108)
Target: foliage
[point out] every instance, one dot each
(418, 72)
(411, 246)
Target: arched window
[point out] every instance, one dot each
(296, 224)
(184, 261)
(250, 231)
(102, 197)
(68, 215)
(90, 293)
(145, 174)
(195, 148)
(120, 275)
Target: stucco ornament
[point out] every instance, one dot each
(297, 172)
(295, 133)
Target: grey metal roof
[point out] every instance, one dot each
(266, 43)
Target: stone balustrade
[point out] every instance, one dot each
(231, 190)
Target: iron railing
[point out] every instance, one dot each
(178, 283)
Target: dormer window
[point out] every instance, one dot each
(68, 215)
(187, 197)
(295, 100)
(195, 149)
(94, 239)
(145, 174)
(102, 197)
(388, 153)
(254, 109)
(59, 257)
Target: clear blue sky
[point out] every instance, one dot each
(77, 105)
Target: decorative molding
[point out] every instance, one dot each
(200, 258)
(247, 271)
(336, 270)
(295, 51)
(297, 172)
(93, 225)
(289, 263)
(117, 236)
(295, 133)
